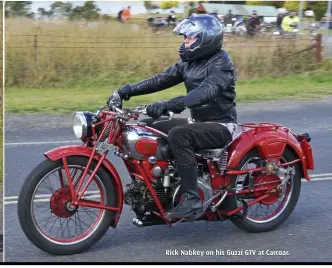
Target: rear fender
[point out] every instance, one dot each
(65, 151)
(270, 145)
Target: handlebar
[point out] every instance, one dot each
(134, 113)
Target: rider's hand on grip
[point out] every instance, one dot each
(156, 109)
(115, 101)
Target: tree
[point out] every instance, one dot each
(149, 5)
(169, 4)
(319, 8)
(294, 5)
(87, 12)
(44, 13)
(277, 4)
(60, 9)
(90, 11)
(18, 9)
(228, 2)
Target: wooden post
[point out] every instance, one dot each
(318, 48)
(35, 47)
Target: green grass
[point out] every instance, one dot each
(67, 100)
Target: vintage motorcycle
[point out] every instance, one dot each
(70, 200)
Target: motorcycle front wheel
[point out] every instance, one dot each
(46, 216)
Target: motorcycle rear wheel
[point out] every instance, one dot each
(50, 243)
(280, 215)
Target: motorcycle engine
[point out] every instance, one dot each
(138, 196)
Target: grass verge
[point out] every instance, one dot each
(68, 100)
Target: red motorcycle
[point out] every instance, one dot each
(69, 200)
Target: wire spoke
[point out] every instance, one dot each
(88, 213)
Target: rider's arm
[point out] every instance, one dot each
(168, 78)
(210, 88)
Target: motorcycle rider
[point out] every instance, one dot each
(209, 77)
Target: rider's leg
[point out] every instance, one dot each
(184, 141)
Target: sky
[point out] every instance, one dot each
(107, 7)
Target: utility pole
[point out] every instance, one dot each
(300, 14)
(327, 22)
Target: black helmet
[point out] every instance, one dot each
(209, 32)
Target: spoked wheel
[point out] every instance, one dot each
(272, 211)
(46, 214)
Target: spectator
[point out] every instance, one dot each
(288, 20)
(253, 24)
(126, 15)
(119, 17)
(228, 18)
(171, 18)
(215, 14)
(280, 17)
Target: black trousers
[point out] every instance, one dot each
(185, 140)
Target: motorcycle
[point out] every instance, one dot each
(259, 171)
(239, 28)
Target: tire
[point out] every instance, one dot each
(254, 227)
(25, 212)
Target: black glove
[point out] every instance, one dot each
(124, 92)
(159, 108)
(118, 96)
(156, 109)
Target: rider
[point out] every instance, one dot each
(209, 76)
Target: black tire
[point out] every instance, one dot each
(254, 227)
(24, 208)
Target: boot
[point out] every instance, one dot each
(190, 202)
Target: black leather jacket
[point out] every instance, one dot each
(210, 87)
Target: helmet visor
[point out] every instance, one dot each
(188, 28)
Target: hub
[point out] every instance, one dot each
(272, 182)
(60, 203)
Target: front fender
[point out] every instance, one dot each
(269, 143)
(65, 151)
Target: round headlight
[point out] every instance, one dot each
(80, 125)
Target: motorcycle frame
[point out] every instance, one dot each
(269, 139)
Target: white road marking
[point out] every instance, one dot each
(320, 175)
(40, 142)
(49, 195)
(92, 194)
(48, 200)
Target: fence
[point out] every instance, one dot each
(46, 59)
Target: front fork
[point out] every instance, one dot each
(76, 195)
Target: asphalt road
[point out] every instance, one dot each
(306, 235)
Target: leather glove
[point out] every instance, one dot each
(124, 92)
(159, 108)
(156, 109)
(118, 96)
